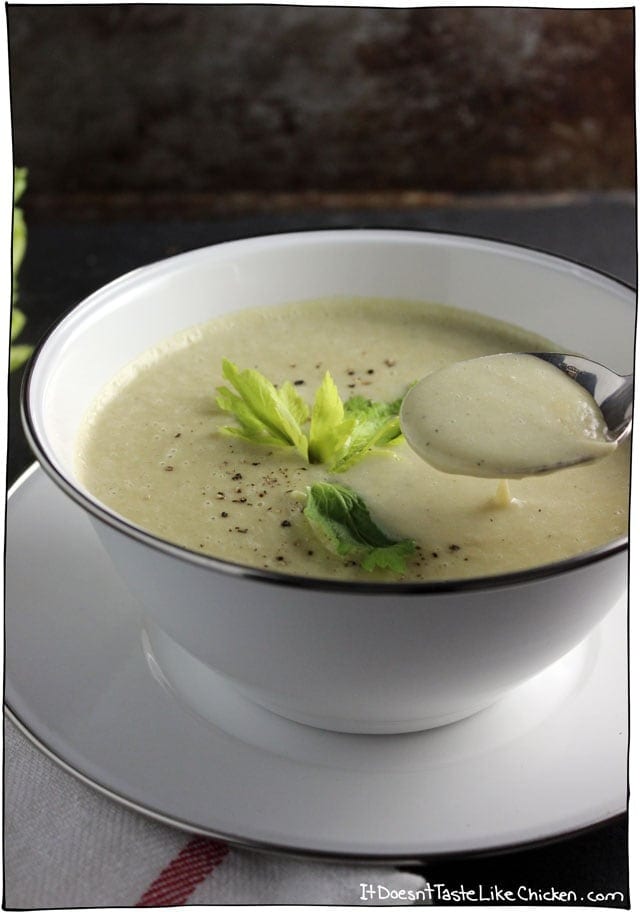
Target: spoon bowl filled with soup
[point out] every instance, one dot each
(230, 419)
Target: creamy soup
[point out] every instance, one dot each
(152, 451)
(503, 416)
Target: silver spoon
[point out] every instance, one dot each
(612, 393)
(445, 442)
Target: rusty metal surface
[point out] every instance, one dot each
(235, 99)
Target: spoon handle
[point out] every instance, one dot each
(617, 409)
(612, 392)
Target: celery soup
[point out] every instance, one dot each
(172, 446)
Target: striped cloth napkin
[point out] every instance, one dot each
(67, 846)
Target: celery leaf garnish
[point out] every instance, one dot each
(294, 402)
(330, 431)
(265, 414)
(340, 434)
(376, 425)
(342, 522)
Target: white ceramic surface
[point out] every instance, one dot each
(361, 658)
(82, 681)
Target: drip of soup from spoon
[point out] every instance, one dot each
(503, 416)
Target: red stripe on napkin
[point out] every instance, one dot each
(174, 884)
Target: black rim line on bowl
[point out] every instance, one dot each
(142, 536)
(237, 841)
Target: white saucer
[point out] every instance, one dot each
(104, 699)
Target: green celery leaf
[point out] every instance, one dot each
(294, 402)
(341, 520)
(265, 414)
(329, 431)
(18, 321)
(19, 182)
(18, 354)
(19, 236)
(376, 425)
(340, 435)
(19, 244)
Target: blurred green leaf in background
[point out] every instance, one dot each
(18, 354)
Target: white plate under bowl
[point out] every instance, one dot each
(83, 681)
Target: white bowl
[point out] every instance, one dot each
(345, 656)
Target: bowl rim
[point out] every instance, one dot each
(140, 535)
